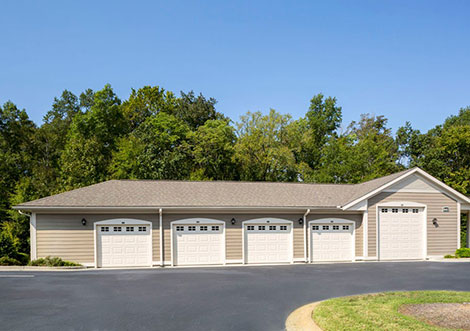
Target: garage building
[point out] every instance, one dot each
(409, 215)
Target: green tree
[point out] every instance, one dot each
(213, 151)
(321, 122)
(262, 150)
(92, 139)
(159, 147)
(145, 102)
(16, 134)
(196, 111)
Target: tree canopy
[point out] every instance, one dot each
(157, 134)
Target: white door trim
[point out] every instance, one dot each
(268, 220)
(328, 220)
(196, 220)
(121, 221)
(401, 204)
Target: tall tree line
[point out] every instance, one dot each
(157, 134)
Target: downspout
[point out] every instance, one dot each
(305, 235)
(32, 234)
(160, 227)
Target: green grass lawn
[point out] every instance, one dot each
(380, 311)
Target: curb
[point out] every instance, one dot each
(32, 268)
(301, 319)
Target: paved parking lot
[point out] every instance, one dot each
(228, 298)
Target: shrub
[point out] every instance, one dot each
(52, 262)
(448, 256)
(5, 260)
(462, 252)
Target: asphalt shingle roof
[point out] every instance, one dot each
(162, 193)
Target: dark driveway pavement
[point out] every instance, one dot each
(232, 298)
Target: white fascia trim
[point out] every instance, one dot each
(415, 170)
(121, 221)
(332, 221)
(172, 208)
(267, 220)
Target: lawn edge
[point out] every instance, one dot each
(301, 318)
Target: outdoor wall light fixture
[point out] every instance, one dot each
(301, 221)
(83, 221)
(434, 222)
(233, 221)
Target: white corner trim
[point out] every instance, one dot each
(328, 220)
(267, 220)
(121, 221)
(33, 236)
(396, 180)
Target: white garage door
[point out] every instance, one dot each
(401, 233)
(331, 242)
(198, 244)
(127, 245)
(268, 243)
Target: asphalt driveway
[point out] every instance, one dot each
(230, 298)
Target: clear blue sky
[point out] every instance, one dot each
(402, 59)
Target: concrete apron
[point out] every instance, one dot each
(301, 319)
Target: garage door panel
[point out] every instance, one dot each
(118, 247)
(330, 243)
(268, 243)
(198, 244)
(401, 233)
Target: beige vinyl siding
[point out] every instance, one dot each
(357, 218)
(63, 235)
(441, 240)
